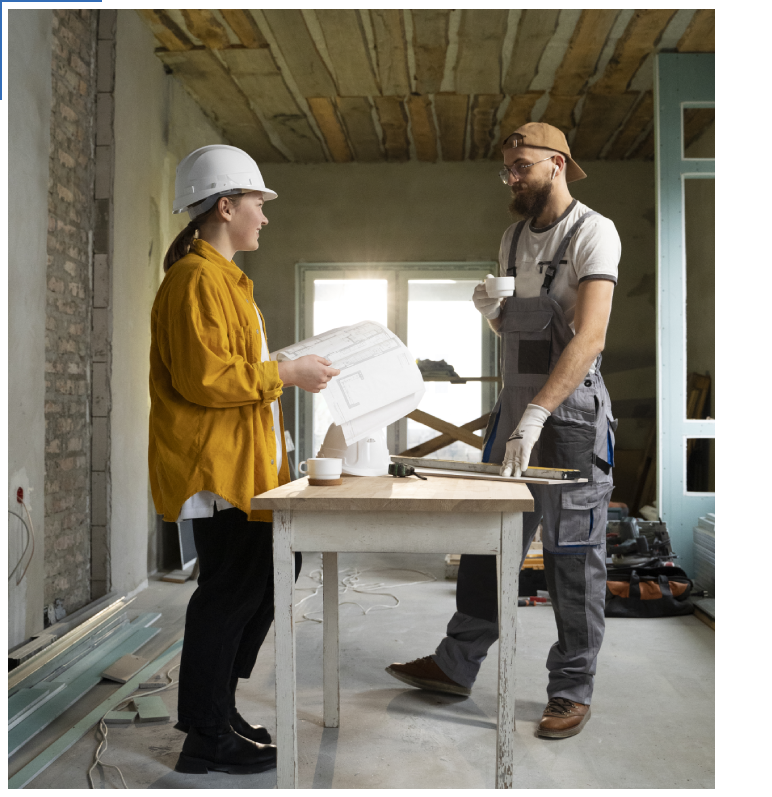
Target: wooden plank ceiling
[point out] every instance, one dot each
(432, 85)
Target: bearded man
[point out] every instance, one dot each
(554, 411)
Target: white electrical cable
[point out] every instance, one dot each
(30, 540)
(102, 727)
(350, 582)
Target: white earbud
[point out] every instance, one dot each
(555, 172)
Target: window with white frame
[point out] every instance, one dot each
(428, 305)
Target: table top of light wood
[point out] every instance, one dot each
(390, 494)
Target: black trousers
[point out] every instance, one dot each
(228, 616)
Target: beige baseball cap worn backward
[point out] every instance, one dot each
(540, 134)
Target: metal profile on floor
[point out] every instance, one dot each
(16, 655)
(61, 646)
(25, 701)
(83, 677)
(67, 740)
(83, 648)
(67, 658)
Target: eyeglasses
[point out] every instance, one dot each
(519, 169)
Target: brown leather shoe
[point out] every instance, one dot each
(563, 718)
(425, 674)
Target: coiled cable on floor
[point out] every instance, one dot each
(350, 581)
(102, 728)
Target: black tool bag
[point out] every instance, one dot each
(652, 591)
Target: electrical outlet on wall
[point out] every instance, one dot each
(18, 488)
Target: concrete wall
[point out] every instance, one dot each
(448, 211)
(156, 124)
(29, 105)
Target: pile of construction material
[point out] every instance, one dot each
(75, 659)
(48, 683)
(730, 542)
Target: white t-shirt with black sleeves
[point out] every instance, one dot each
(593, 253)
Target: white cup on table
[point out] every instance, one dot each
(499, 287)
(322, 468)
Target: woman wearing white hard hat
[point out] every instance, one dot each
(217, 439)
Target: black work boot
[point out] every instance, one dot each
(255, 733)
(223, 751)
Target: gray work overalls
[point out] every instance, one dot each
(578, 434)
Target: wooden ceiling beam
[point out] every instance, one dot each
(393, 119)
(536, 28)
(430, 44)
(422, 125)
(391, 47)
(349, 52)
(452, 111)
(168, 33)
(326, 116)
(484, 108)
(584, 50)
(560, 111)
(299, 51)
(259, 77)
(640, 38)
(602, 115)
(480, 39)
(700, 36)
(358, 121)
(204, 25)
(210, 85)
(243, 24)
(635, 125)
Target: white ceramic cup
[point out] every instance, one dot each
(499, 287)
(322, 467)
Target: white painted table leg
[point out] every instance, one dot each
(331, 672)
(284, 631)
(511, 545)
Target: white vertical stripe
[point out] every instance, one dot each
(451, 54)
(736, 212)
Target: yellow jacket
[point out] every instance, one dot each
(211, 425)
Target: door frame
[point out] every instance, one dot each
(680, 81)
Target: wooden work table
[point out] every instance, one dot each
(387, 514)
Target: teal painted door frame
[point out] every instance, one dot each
(680, 80)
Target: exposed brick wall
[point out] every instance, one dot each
(68, 314)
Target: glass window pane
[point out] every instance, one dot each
(340, 303)
(699, 133)
(442, 324)
(701, 465)
(700, 209)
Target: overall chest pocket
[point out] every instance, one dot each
(528, 340)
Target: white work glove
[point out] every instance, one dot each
(490, 308)
(522, 441)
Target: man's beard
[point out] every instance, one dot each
(529, 202)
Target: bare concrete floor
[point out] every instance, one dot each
(652, 722)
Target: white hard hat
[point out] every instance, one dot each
(366, 457)
(216, 170)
